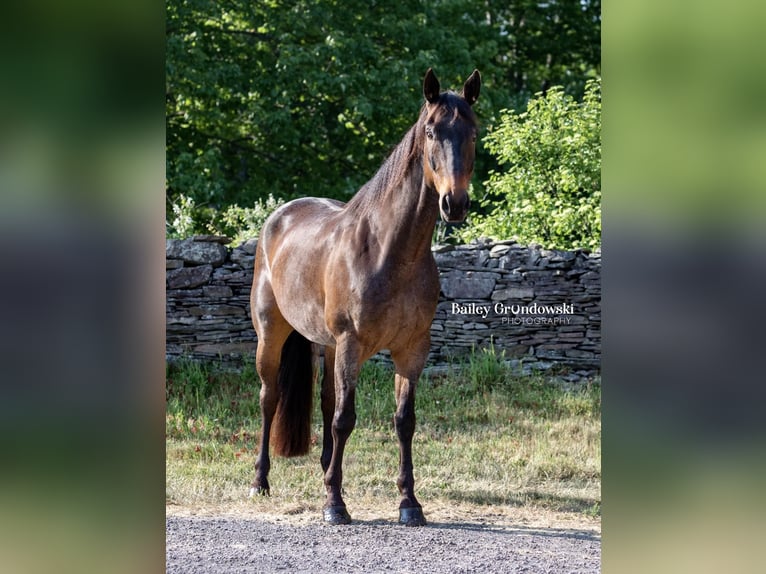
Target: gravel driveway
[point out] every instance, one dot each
(213, 545)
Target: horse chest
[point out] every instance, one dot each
(387, 305)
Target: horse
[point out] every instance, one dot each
(357, 278)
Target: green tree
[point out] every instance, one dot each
(307, 97)
(548, 187)
(543, 44)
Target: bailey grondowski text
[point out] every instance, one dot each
(533, 314)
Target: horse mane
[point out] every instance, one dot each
(408, 150)
(391, 173)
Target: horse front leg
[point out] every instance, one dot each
(343, 423)
(328, 406)
(409, 364)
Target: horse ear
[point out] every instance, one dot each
(471, 87)
(431, 87)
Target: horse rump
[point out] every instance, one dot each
(291, 428)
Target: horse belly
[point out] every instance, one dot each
(301, 301)
(308, 319)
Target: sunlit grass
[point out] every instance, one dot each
(486, 436)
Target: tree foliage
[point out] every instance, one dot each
(548, 187)
(307, 97)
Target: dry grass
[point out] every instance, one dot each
(490, 445)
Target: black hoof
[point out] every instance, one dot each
(412, 516)
(336, 515)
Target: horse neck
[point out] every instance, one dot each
(413, 217)
(402, 211)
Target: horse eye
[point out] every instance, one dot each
(429, 133)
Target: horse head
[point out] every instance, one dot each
(450, 144)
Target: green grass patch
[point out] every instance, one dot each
(486, 436)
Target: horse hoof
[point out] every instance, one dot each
(336, 515)
(259, 490)
(412, 516)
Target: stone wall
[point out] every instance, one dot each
(541, 307)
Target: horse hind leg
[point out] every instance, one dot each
(272, 331)
(267, 360)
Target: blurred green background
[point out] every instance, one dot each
(684, 235)
(82, 103)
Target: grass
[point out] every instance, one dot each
(487, 438)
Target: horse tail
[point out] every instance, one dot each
(291, 429)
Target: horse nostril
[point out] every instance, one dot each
(446, 204)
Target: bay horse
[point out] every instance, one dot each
(356, 278)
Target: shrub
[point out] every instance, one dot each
(239, 223)
(243, 223)
(182, 222)
(548, 187)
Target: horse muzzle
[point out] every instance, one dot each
(453, 206)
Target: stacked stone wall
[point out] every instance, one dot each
(540, 307)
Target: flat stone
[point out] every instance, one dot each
(222, 239)
(558, 255)
(183, 293)
(249, 246)
(578, 354)
(195, 252)
(216, 310)
(181, 321)
(555, 346)
(188, 277)
(214, 291)
(534, 258)
(575, 272)
(242, 258)
(173, 263)
(499, 250)
(525, 293)
(515, 351)
(468, 285)
(571, 335)
(226, 348)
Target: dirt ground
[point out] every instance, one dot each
(239, 540)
